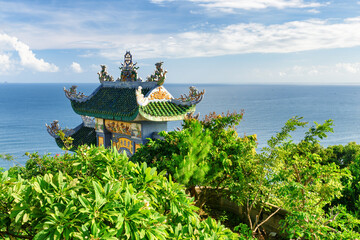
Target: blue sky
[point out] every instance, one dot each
(200, 41)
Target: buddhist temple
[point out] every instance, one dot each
(124, 113)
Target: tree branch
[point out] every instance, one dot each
(248, 213)
(266, 219)
(332, 219)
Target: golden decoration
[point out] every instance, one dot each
(137, 146)
(100, 141)
(124, 143)
(130, 129)
(160, 95)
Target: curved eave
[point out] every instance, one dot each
(186, 103)
(165, 117)
(84, 99)
(83, 135)
(106, 115)
(114, 103)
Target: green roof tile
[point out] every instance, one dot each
(119, 103)
(165, 109)
(85, 135)
(110, 103)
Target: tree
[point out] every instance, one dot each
(98, 194)
(304, 184)
(291, 176)
(346, 157)
(204, 153)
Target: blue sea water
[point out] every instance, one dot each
(25, 108)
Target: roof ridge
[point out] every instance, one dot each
(135, 85)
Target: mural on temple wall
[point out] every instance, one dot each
(124, 143)
(126, 128)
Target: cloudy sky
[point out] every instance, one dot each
(200, 41)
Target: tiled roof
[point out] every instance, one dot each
(110, 103)
(165, 111)
(84, 135)
(117, 101)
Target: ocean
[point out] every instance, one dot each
(25, 108)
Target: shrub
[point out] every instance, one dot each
(289, 175)
(97, 193)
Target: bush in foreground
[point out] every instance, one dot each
(97, 193)
(301, 178)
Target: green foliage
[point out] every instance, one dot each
(346, 157)
(307, 183)
(211, 150)
(343, 156)
(190, 163)
(244, 230)
(67, 141)
(205, 153)
(7, 157)
(290, 176)
(337, 224)
(183, 154)
(97, 193)
(304, 184)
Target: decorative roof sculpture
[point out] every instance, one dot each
(128, 69)
(159, 75)
(104, 76)
(125, 112)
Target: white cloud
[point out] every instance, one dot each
(5, 64)
(66, 30)
(313, 72)
(282, 74)
(27, 57)
(349, 67)
(338, 69)
(315, 11)
(95, 67)
(245, 38)
(225, 5)
(161, 1)
(87, 55)
(229, 6)
(76, 67)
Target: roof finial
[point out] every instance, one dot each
(128, 69)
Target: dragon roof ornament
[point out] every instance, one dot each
(129, 72)
(193, 98)
(104, 76)
(159, 75)
(54, 129)
(72, 94)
